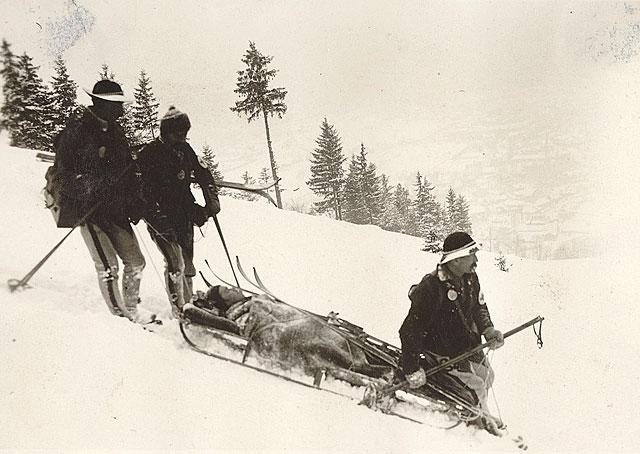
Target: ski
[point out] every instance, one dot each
(317, 384)
(254, 284)
(228, 284)
(262, 191)
(45, 157)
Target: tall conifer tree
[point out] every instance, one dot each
(389, 216)
(362, 201)
(451, 206)
(257, 98)
(462, 209)
(327, 172)
(209, 160)
(406, 218)
(145, 110)
(33, 123)
(10, 104)
(64, 101)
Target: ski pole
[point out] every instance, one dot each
(14, 284)
(226, 250)
(462, 356)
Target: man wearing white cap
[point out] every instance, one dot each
(448, 316)
(94, 162)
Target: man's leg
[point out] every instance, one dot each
(189, 269)
(479, 378)
(126, 245)
(173, 271)
(106, 263)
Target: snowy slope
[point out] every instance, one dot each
(75, 377)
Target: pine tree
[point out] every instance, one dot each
(451, 206)
(418, 211)
(264, 176)
(406, 221)
(362, 199)
(389, 216)
(33, 122)
(257, 98)
(64, 97)
(327, 173)
(105, 73)
(457, 210)
(126, 122)
(428, 215)
(247, 180)
(10, 105)
(462, 209)
(209, 160)
(145, 110)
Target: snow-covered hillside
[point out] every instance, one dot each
(74, 377)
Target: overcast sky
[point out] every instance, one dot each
(405, 78)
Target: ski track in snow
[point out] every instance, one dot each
(74, 377)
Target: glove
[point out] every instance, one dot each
(416, 379)
(213, 206)
(199, 215)
(211, 200)
(493, 335)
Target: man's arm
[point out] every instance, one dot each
(414, 329)
(207, 185)
(483, 321)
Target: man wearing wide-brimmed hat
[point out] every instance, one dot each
(94, 161)
(448, 316)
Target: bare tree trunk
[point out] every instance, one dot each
(273, 161)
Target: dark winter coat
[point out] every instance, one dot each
(444, 318)
(166, 171)
(94, 163)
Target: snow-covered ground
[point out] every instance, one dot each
(74, 377)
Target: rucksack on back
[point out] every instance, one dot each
(66, 210)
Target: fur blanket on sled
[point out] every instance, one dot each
(293, 338)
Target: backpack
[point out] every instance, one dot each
(66, 210)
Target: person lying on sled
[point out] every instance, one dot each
(448, 316)
(279, 332)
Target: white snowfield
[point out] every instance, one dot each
(73, 377)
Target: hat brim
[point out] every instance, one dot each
(111, 97)
(462, 252)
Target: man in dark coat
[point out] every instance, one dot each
(94, 162)
(448, 316)
(166, 166)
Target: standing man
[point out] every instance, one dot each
(448, 316)
(166, 166)
(93, 157)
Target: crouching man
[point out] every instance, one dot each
(448, 316)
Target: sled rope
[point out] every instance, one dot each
(146, 248)
(493, 391)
